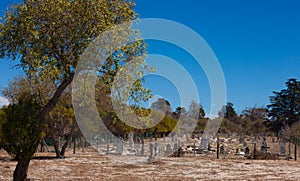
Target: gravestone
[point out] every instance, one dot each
(137, 144)
(179, 143)
(203, 143)
(120, 145)
(222, 150)
(143, 145)
(175, 148)
(157, 149)
(161, 149)
(227, 151)
(237, 151)
(168, 149)
(247, 151)
(151, 149)
(130, 140)
(263, 149)
(209, 146)
(164, 137)
(282, 148)
(264, 146)
(187, 137)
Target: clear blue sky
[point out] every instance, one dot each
(257, 44)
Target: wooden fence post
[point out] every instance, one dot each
(295, 152)
(218, 147)
(74, 150)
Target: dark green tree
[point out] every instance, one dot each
(21, 133)
(228, 112)
(231, 121)
(284, 107)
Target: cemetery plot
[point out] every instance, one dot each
(89, 165)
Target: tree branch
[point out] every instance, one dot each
(53, 101)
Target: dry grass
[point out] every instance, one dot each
(89, 165)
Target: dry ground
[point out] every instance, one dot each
(89, 165)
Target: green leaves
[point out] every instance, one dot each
(58, 29)
(284, 109)
(21, 131)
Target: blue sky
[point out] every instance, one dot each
(256, 42)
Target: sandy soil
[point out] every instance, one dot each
(89, 165)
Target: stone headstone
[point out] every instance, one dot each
(161, 149)
(187, 137)
(247, 151)
(156, 148)
(168, 149)
(137, 144)
(130, 140)
(203, 143)
(175, 148)
(120, 146)
(151, 150)
(282, 148)
(222, 150)
(209, 146)
(263, 149)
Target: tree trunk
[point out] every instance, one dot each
(53, 101)
(21, 170)
(53, 137)
(56, 147)
(69, 139)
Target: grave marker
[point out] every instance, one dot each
(247, 151)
